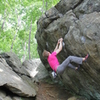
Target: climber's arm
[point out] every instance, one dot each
(58, 47)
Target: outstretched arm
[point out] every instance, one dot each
(58, 47)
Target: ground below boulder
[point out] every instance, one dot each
(49, 90)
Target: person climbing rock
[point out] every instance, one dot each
(54, 63)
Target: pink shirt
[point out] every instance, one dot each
(53, 61)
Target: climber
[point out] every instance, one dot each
(54, 63)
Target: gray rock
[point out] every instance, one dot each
(36, 69)
(81, 33)
(13, 82)
(14, 62)
(7, 98)
(87, 6)
(22, 98)
(65, 5)
(1, 98)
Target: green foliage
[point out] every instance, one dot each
(15, 19)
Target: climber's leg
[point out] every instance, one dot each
(67, 61)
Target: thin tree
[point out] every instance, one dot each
(29, 40)
(43, 7)
(46, 5)
(24, 56)
(3, 20)
(13, 41)
(17, 28)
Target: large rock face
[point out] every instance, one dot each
(19, 80)
(78, 22)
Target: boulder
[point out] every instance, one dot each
(11, 72)
(13, 82)
(36, 69)
(81, 33)
(87, 7)
(14, 63)
(20, 79)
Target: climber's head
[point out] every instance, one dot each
(45, 53)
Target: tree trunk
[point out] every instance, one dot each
(13, 41)
(3, 24)
(17, 28)
(43, 7)
(29, 40)
(2, 27)
(24, 56)
(46, 5)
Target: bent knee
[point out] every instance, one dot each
(69, 57)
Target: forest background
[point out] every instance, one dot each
(18, 26)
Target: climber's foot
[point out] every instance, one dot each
(85, 59)
(76, 68)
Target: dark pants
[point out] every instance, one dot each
(67, 62)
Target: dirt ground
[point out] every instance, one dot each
(51, 92)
